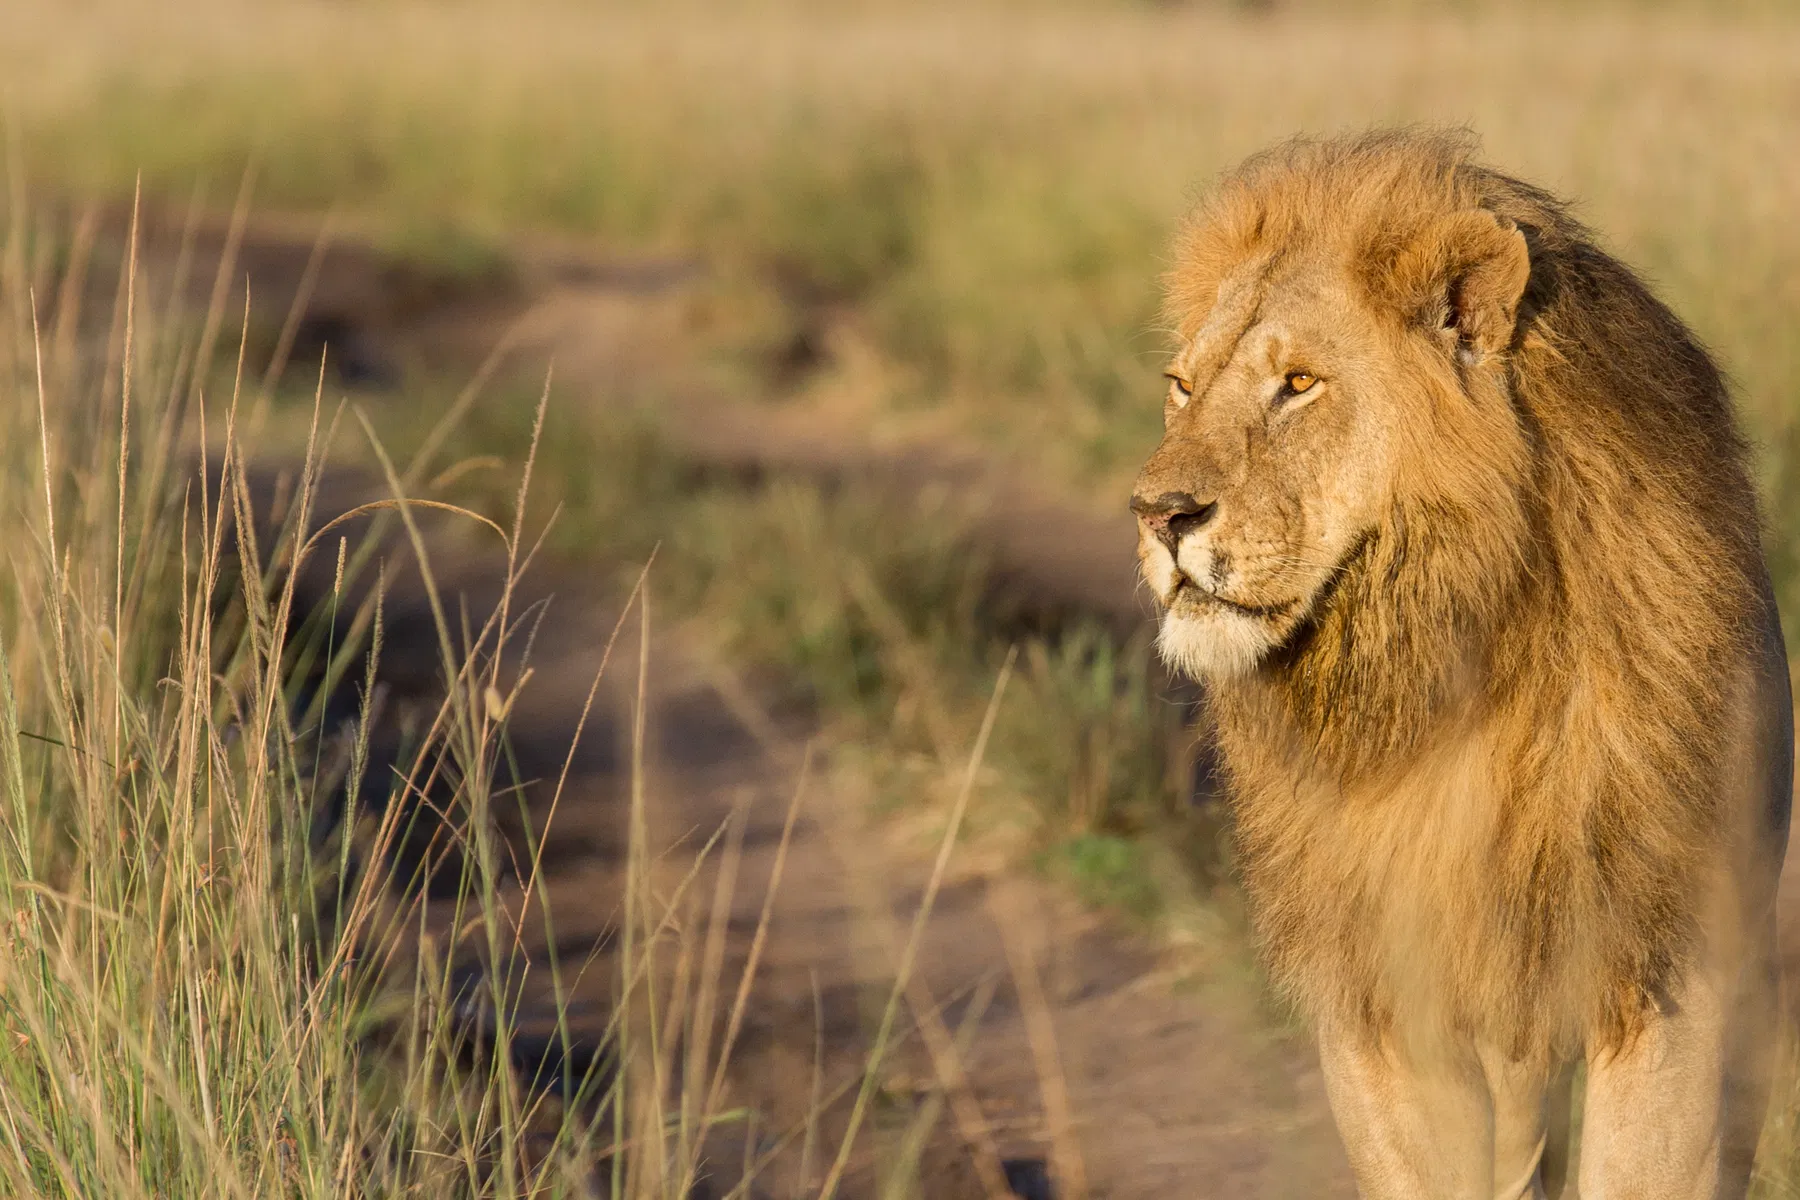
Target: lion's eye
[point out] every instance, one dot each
(1299, 382)
(1181, 385)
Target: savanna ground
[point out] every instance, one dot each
(883, 863)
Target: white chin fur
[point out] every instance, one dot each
(1216, 644)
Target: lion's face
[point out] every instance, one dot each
(1278, 458)
(1331, 376)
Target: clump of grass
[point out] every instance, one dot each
(178, 1022)
(198, 996)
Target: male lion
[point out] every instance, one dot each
(1453, 519)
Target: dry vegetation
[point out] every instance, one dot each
(956, 211)
(991, 186)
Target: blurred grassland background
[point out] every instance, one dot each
(958, 211)
(992, 184)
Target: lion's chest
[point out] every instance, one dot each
(1401, 895)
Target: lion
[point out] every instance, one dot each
(1452, 519)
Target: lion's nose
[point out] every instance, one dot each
(1173, 515)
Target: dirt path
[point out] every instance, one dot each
(1168, 1092)
(1081, 1056)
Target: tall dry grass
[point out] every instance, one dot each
(198, 994)
(179, 1021)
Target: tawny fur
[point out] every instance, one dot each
(1475, 784)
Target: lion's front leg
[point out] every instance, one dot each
(1469, 1126)
(1675, 1114)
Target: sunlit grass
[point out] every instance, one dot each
(179, 1021)
(197, 995)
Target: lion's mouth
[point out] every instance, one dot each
(1188, 594)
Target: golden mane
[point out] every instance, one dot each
(1568, 583)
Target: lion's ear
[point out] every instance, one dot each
(1468, 271)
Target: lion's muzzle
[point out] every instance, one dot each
(1171, 516)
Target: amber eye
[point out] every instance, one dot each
(1300, 381)
(1181, 385)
